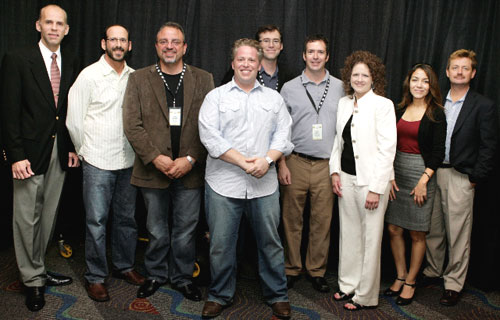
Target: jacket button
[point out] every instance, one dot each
(57, 117)
(53, 136)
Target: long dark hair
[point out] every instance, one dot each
(433, 98)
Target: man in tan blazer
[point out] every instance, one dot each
(160, 119)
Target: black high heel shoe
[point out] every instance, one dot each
(391, 293)
(400, 301)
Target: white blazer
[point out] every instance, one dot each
(374, 139)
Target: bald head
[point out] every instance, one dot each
(52, 25)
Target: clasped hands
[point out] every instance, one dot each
(256, 166)
(174, 169)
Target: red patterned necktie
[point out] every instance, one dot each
(55, 77)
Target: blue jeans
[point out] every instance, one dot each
(185, 214)
(102, 190)
(223, 218)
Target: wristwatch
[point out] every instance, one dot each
(190, 160)
(269, 161)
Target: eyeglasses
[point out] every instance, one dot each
(175, 42)
(268, 41)
(115, 40)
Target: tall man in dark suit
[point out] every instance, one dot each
(34, 98)
(160, 119)
(471, 140)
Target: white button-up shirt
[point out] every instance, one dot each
(94, 117)
(252, 124)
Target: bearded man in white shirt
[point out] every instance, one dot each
(95, 125)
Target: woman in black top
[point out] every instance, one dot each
(421, 125)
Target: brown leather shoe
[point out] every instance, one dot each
(97, 291)
(449, 298)
(132, 277)
(282, 309)
(211, 310)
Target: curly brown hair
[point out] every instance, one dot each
(433, 98)
(374, 64)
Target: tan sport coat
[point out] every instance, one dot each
(146, 125)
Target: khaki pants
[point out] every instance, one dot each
(35, 206)
(451, 225)
(308, 176)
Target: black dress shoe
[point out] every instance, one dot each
(290, 280)
(54, 280)
(148, 288)
(35, 299)
(320, 284)
(190, 291)
(449, 298)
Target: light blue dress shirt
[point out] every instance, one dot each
(451, 110)
(252, 124)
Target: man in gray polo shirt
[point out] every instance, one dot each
(311, 99)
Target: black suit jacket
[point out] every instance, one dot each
(284, 75)
(475, 137)
(431, 137)
(30, 119)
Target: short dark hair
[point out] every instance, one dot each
(268, 28)
(317, 37)
(105, 33)
(172, 24)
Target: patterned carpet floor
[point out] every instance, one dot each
(71, 302)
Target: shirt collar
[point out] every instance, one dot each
(366, 95)
(305, 79)
(448, 97)
(107, 69)
(275, 74)
(233, 85)
(46, 52)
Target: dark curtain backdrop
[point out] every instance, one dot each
(400, 32)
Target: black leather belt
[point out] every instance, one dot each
(305, 156)
(445, 165)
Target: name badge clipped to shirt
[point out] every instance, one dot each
(317, 131)
(174, 116)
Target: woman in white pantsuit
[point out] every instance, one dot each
(361, 169)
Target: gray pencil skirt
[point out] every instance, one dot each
(403, 211)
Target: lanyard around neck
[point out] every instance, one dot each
(322, 98)
(174, 94)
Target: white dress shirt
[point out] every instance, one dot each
(94, 117)
(47, 57)
(374, 139)
(252, 124)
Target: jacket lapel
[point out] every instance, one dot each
(66, 73)
(465, 111)
(41, 76)
(159, 90)
(189, 86)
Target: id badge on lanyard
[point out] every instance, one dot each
(174, 116)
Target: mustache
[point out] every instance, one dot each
(118, 48)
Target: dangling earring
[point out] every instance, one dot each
(373, 86)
